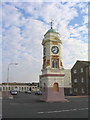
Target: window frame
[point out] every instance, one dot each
(81, 70)
(55, 63)
(76, 90)
(74, 71)
(75, 80)
(83, 90)
(82, 80)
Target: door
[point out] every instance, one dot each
(55, 87)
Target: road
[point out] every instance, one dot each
(29, 106)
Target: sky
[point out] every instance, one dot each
(23, 27)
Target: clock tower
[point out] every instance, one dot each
(52, 78)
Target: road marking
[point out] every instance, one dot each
(63, 110)
(83, 109)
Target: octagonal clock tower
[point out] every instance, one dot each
(52, 78)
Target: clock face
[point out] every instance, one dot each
(55, 49)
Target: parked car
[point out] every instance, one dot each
(13, 92)
(28, 91)
(38, 93)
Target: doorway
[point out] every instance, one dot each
(55, 87)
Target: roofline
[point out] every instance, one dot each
(79, 61)
(5, 83)
(82, 61)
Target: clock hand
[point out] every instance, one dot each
(55, 50)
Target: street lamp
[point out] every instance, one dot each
(8, 74)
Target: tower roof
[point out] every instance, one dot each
(51, 30)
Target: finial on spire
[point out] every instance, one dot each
(52, 22)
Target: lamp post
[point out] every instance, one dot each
(8, 74)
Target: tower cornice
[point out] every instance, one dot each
(51, 40)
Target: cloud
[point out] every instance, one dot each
(45, 1)
(10, 15)
(24, 26)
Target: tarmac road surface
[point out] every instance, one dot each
(29, 106)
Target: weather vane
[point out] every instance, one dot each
(52, 22)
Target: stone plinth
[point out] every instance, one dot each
(50, 96)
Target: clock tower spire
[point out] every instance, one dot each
(52, 78)
(51, 23)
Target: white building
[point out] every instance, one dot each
(18, 86)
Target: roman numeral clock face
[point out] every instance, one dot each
(55, 49)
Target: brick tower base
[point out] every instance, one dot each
(50, 96)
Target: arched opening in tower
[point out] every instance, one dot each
(55, 87)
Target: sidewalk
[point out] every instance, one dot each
(0, 95)
(76, 96)
(6, 95)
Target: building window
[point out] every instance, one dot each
(55, 63)
(44, 50)
(75, 80)
(12, 88)
(75, 89)
(45, 64)
(70, 90)
(28, 88)
(25, 88)
(22, 88)
(81, 70)
(82, 80)
(75, 71)
(3, 88)
(6, 88)
(82, 90)
(0, 88)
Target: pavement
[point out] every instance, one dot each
(6, 95)
(76, 96)
(0, 95)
